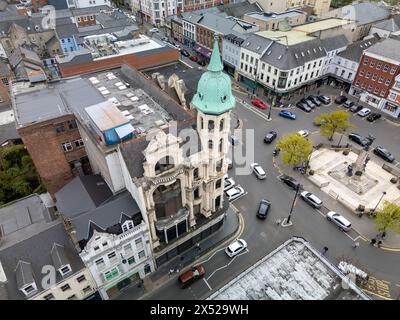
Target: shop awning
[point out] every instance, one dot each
(203, 51)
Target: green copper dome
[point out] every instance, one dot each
(214, 92)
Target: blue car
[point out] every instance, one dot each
(287, 114)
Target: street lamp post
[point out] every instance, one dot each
(293, 203)
(383, 194)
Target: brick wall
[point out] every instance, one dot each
(370, 73)
(44, 145)
(90, 20)
(132, 60)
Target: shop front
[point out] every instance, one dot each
(204, 53)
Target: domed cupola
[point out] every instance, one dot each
(214, 91)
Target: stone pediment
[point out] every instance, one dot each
(159, 141)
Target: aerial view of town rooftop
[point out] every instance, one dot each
(212, 150)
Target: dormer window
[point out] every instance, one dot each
(127, 226)
(29, 289)
(65, 270)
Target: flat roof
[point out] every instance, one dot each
(322, 25)
(275, 16)
(293, 37)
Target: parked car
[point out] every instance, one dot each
(303, 106)
(364, 112)
(201, 63)
(308, 102)
(348, 104)
(228, 183)
(374, 116)
(311, 199)
(315, 100)
(234, 193)
(263, 209)
(193, 58)
(185, 53)
(324, 99)
(165, 39)
(270, 136)
(258, 103)
(258, 171)
(236, 247)
(287, 114)
(303, 133)
(341, 99)
(153, 30)
(196, 273)
(355, 108)
(359, 139)
(339, 220)
(291, 182)
(384, 154)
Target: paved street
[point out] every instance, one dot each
(264, 236)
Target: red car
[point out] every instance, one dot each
(258, 103)
(197, 272)
(194, 58)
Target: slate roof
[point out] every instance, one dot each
(256, 43)
(107, 217)
(190, 17)
(335, 43)
(216, 23)
(59, 256)
(65, 28)
(364, 12)
(8, 132)
(391, 25)
(36, 251)
(239, 9)
(4, 69)
(354, 51)
(388, 48)
(290, 57)
(82, 194)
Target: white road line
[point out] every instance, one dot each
(353, 239)
(239, 197)
(208, 285)
(320, 212)
(255, 111)
(223, 267)
(202, 262)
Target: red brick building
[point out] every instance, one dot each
(57, 139)
(378, 68)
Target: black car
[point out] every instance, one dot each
(291, 182)
(315, 100)
(384, 154)
(185, 53)
(303, 106)
(308, 102)
(201, 62)
(373, 116)
(324, 99)
(263, 209)
(359, 139)
(270, 136)
(341, 99)
(355, 108)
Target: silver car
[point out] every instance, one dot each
(311, 199)
(258, 171)
(339, 220)
(234, 193)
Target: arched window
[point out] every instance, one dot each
(211, 125)
(220, 145)
(164, 164)
(221, 125)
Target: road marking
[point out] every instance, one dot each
(239, 197)
(227, 265)
(255, 111)
(212, 255)
(208, 285)
(376, 294)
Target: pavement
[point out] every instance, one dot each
(163, 275)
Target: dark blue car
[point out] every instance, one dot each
(287, 114)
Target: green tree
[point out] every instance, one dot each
(295, 149)
(336, 121)
(388, 218)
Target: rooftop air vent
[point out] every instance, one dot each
(280, 57)
(247, 44)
